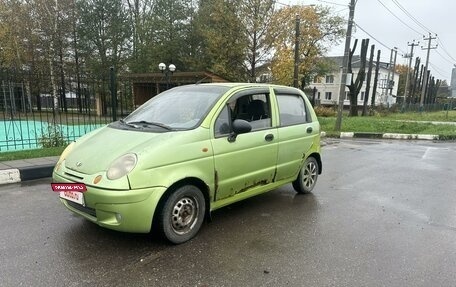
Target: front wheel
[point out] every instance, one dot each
(182, 214)
(307, 177)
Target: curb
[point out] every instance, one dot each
(15, 175)
(388, 136)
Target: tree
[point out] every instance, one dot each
(355, 85)
(140, 13)
(416, 80)
(256, 17)
(223, 43)
(51, 20)
(368, 81)
(104, 39)
(319, 30)
(402, 71)
(170, 22)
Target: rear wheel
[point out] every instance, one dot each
(182, 214)
(307, 177)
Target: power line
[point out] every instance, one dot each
(391, 12)
(438, 70)
(338, 11)
(444, 49)
(446, 59)
(384, 45)
(372, 36)
(333, 3)
(283, 4)
(411, 17)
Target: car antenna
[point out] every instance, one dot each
(199, 81)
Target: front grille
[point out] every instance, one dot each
(74, 176)
(88, 210)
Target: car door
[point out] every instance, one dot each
(248, 161)
(296, 132)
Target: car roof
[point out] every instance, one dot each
(248, 85)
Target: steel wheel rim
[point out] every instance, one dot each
(309, 175)
(184, 215)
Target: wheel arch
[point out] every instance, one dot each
(318, 159)
(201, 185)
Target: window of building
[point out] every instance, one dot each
(362, 94)
(328, 95)
(317, 79)
(329, 79)
(347, 95)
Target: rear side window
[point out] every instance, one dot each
(292, 109)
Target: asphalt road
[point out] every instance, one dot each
(383, 214)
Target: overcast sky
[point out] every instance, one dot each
(394, 23)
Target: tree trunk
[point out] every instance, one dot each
(355, 87)
(369, 75)
(415, 81)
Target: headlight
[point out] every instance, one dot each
(122, 166)
(65, 152)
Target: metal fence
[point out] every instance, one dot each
(37, 111)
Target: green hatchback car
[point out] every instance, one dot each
(188, 151)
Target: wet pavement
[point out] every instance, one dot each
(382, 214)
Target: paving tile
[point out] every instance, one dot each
(17, 163)
(4, 166)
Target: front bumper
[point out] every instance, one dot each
(121, 210)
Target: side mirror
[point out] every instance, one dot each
(239, 127)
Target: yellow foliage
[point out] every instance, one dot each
(318, 31)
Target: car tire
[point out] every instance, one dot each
(182, 214)
(307, 177)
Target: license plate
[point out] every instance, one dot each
(73, 196)
(79, 187)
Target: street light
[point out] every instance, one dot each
(167, 71)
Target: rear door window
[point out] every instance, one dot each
(292, 110)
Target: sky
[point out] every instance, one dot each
(395, 23)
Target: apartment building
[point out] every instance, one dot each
(328, 86)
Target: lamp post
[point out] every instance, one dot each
(167, 71)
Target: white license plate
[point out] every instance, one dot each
(73, 196)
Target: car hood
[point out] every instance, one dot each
(96, 151)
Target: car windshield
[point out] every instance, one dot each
(179, 108)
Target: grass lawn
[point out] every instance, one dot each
(395, 123)
(442, 116)
(33, 153)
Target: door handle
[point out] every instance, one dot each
(309, 130)
(269, 137)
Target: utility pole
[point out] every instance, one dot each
(394, 71)
(296, 53)
(343, 79)
(392, 67)
(374, 91)
(425, 77)
(410, 57)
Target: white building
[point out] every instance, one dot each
(328, 86)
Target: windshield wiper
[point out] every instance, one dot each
(127, 124)
(151, 124)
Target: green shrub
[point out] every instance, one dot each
(52, 136)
